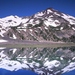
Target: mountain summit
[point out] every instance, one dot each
(47, 25)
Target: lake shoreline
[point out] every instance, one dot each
(36, 44)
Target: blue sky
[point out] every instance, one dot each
(29, 7)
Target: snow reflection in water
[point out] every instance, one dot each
(44, 61)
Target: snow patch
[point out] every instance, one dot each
(14, 50)
(31, 56)
(67, 17)
(38, 71)
(31, 30)
(50, 23)
(70, 67)
(36, 31)
(46, 59)
(1, 40)
(49, 11)
(51, 64)
(31, 34)
(25, 25)
(2, 55)
(50, 20)
(57, 21)
(10, 21)
(46, 28)
(2, 32)
(25, 20)
(2, 47)
(40, 28)
(31, 20)
(73, 28)
(56, 13)
(37, 22)
(21, 29)
(39, 14)
(61, 28)
(61, 58)
(10, 64)
(14, 37)
(73, 58)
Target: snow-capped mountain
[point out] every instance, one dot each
(47, 25)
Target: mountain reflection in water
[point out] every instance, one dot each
(43, 61)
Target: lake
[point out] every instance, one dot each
(37, 60)
(19, 72)
(70, 73)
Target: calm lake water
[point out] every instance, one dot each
(37, 61)
(70, 73)
(19, 72)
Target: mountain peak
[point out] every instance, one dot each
(50, 8)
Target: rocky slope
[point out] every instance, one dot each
(47, 25)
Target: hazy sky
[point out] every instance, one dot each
(29, 7)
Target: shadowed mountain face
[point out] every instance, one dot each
(47, 25)
(44, 61)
